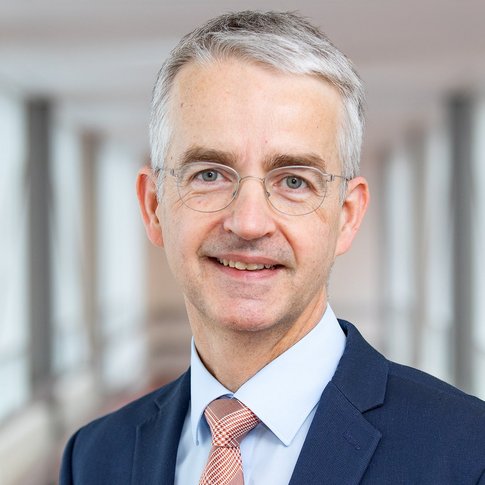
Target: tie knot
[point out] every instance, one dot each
(229, 420)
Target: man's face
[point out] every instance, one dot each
(248, 116)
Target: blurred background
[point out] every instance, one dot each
(89, 314)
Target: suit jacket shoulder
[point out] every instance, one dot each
(431, 424)
(129, 445)
(380, 422)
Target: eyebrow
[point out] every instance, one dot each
(303, 159)
(202, 154)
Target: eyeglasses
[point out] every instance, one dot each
(211, 187)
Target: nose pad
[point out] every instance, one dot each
(248, 219)
(247, 177)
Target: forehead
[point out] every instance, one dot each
(253, 112)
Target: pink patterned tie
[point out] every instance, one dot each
(229, 421)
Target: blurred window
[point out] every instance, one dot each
(121, 267)
(399, 265)
(479, 245)
(437, 237)
(14, 369)
(69, 331)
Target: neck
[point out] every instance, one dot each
(233, 356)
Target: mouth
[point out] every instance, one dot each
(241, 266)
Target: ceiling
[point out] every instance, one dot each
(98, 59)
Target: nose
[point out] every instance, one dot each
(250, 216)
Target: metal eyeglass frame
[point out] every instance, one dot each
(174, 173)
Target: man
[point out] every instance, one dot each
(253, 192)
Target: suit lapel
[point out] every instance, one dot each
(157, 438)
(341, 442)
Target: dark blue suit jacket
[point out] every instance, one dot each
(377, 423)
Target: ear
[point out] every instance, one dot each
(353, 210)
(146, 190)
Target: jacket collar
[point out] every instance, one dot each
(362, 372)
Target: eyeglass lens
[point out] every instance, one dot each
(209, 187)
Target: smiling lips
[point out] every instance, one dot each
(244, 266)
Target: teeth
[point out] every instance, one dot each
(244, 266)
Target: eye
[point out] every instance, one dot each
(208, 175)
(202, 176)
(294, 182)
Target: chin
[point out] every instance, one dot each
(236, 315)
(249, 322)
(247, 327)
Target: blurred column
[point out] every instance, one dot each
(435, 265)
(75, 388)
(461, 130)
(416, 151)
(14, 282)
(39, 194)
(478, 240)
(121, 271)
(90, 144)
(399, 242)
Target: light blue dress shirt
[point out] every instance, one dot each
(284, 395)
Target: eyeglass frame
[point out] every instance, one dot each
(173, 172)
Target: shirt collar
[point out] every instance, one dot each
(297, 377)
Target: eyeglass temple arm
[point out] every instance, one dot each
(333, 177)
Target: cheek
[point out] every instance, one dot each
(179, 255)
(314, 244)
(174, 236)
(184, 235)
(177, 239)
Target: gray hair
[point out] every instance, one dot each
(282, 40)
